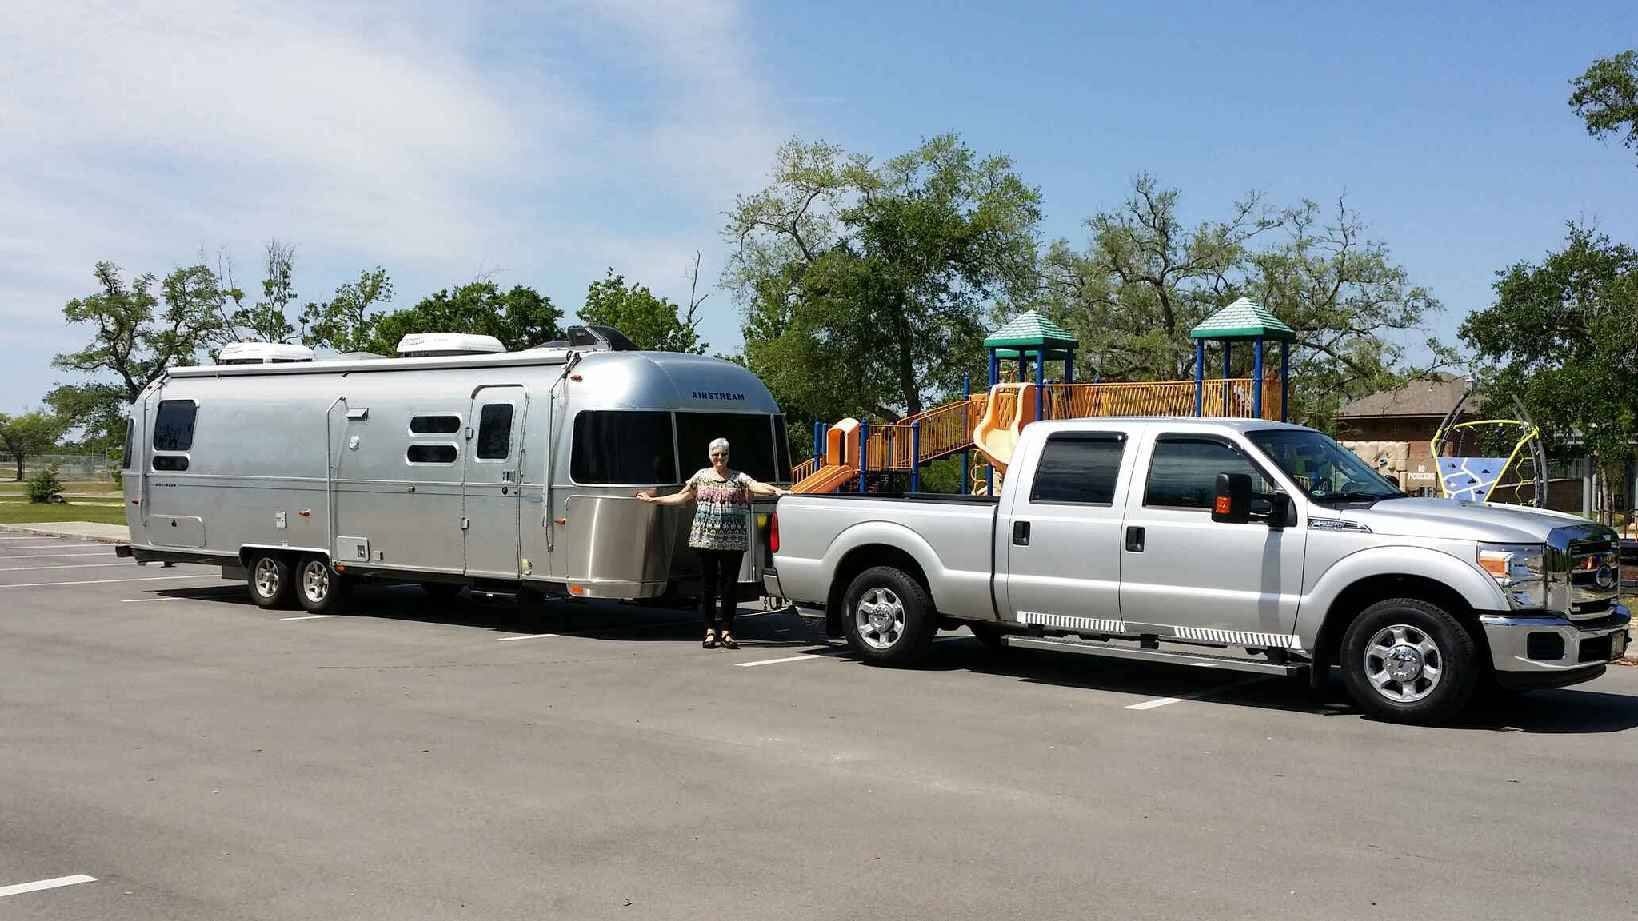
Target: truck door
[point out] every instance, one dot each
(1063, 536)
(1183, 574)
(491, 480)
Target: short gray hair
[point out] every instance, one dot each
(715, 444)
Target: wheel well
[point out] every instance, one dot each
(858, 560)
(1366, 592)
(246, 554)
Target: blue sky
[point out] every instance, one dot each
(538, 143)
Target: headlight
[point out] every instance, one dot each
(1520, 570)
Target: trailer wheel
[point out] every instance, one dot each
(1407, 661)
(270, 581)
(889, 618)
(319, 588)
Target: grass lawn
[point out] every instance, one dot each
(14, 488)
(27, 512)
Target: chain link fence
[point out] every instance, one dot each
(70, 467)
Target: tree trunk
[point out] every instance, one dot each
(19, 468)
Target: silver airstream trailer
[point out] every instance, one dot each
(454, 464)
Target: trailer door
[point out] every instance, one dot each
(491, 479)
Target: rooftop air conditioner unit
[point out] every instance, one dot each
(262, 353)
(427, 345)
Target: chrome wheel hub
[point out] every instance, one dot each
(267, 577)
(1403, 663)
(880, 618)
(315, 581)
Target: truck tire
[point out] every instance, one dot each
(1407, 661)
(270, 580)
(319, 588)
(888, 617)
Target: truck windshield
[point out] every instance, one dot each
(1325, 470)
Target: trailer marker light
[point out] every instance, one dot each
(577, 590)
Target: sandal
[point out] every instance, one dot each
(728, 641)
(710, 639)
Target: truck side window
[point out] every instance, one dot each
(1079, 468)
(435, 425)
(173, 425)
(495, 432)
(1183, 472)
(621, 447)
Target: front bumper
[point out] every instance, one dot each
(1540, 649)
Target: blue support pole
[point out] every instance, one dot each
(818, 444)
(864, 452)
(1069, 368)
(915, 456)
(1040, 382)
(995, 367)
(1285, 381)
(1199, 377)
(1257, 378)
(1228, 355)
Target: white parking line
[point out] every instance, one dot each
(32, 556)
(105, 581)
(1157, 702)
(147, 600)
(65, 566)
(37, 885)
(775, 661)
(1201, 695)
(526, 636)
(61, 543)
(306, 617)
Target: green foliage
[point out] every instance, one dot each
(132, 338)
(1146, 278)
(650, 322)
(1606, 97)
(864, 286)
(520, 318)
(268, 319)
(45, 485)
(117, 475)
(96, 410)
(343, 323)
(28, 435)
(1563, 336)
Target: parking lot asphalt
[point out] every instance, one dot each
(169, 750)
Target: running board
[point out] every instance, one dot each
(1226, 663)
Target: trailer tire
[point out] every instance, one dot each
(1405, 660)
(319, 588)
(270, 580)
(888, 617)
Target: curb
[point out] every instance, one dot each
(46, 532)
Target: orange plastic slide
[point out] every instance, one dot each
(841, 460)
(1010, 408)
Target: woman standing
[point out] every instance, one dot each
(723, 503)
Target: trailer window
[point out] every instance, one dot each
(1078, 469)
(622, 447)
(125, 456)
(495, 432)
(170, 462)
(173, 425)
(750, 443)
(431, 454)
(435, 425)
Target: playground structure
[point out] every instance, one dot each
(1491, 460)
(983, 427)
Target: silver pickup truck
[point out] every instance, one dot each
(1237, 544)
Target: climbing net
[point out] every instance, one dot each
(1496, 461)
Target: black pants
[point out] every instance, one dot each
(719, 580)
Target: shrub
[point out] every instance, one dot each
(118, 476)
(45, 485)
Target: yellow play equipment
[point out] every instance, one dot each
(1009, 408)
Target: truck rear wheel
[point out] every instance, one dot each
(888, 617)
(319, 588)
(270, 580)
(1407, 661)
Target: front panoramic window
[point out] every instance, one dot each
(623, 447)
(750, 443)
(1325, 470)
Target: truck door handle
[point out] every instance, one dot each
(1020, 533)
(1134, 539)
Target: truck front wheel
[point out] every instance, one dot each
(1407, 661)
(889, 618)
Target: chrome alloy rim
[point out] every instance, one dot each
(267, 577)
(1403, 663)
(880, 618)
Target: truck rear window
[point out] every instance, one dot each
(623, 447)
(1079, 468)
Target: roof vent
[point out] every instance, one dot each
(427, 345)
(599, 338)
(262, 353)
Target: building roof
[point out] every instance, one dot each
(1427, 397)
(1030, 328)
(1243, 319)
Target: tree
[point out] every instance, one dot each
(268, 319)
(28, 435)
(1563, 336)
(131, 338)
(96, 409)
(649, 321)
(864, 286)
(520, 318)
(1605, 96)
(344, 322)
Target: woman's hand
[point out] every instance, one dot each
(645, 496)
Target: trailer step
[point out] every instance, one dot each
(1197, 660)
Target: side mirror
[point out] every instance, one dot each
(1232, 503)
(1282, 511)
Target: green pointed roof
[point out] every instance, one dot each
(1030, 329)
(1243, 319)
